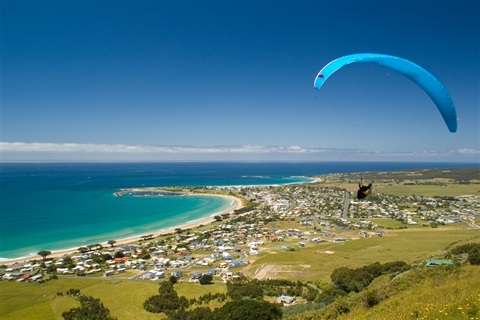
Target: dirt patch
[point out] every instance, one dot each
(325, 251)
(275, 271)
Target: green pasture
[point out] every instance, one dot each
(317, 261)
(449, 190)
(386, 223)
(401, 189)
(123, 298)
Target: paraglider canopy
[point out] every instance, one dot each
(425, 80)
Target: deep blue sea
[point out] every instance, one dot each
(55, 206)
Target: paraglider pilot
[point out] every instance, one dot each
(363, 191)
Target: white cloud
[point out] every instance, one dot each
(19, 151)
(122, 148)
(469, 151)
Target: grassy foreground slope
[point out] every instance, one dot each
(423, 293)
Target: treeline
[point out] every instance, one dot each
(246, 303)
(245, 297)
(257, 289)
(472, 250)
(355, 280)
(249, 206)
(245, 300)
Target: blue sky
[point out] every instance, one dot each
(233, 80)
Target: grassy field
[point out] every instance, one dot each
(402, 189)
(317, 261)
(429, 190)
(123, 298)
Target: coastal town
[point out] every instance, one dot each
(272, 218)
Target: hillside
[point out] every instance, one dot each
(433, 293)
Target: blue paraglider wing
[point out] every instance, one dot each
(424, 79)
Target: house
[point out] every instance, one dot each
(195, 277)
(437, 262)
(227, 276)
(156, 274)
(62, 270)
(212, 271)
(36, 277)
(285, 299)
(109, 273)
(227, 256)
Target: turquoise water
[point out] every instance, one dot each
(81, 218)
(54, 206)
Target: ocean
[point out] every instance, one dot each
(57, 206)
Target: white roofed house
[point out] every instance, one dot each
(286, 299)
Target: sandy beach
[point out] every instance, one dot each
(237, 203)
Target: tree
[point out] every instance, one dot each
(166, 301)
(106, 256)
(44, 254)
(111, 242)
(474, 256)
(95, 246)
(206, 279)
(147, 237)
(247, 309)
(200, 313)
(356, 280)
(342, 278)
(242, 288)
(173, 279)
(473, 251)
(119, 254)
(83, 249)
(90, 309)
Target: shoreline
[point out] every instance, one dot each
(236, 203)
